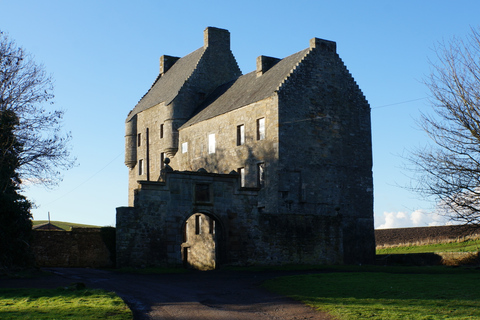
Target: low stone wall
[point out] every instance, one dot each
(429, 259)
(80, 247)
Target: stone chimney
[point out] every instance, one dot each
(215, 37)
(166, 62)
(324, 45)
(264, 63)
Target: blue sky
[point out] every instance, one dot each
(104, 55)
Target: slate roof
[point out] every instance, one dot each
(166, 87)
(47, 226)
(246, 89)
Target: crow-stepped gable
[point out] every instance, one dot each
(270, 167)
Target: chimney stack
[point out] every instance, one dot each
(166, 62)
(264, 64)
(325, 45)
(215, 37)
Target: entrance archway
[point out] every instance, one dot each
(200, 245)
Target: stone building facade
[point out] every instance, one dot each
(270, 167)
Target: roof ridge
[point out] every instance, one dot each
(186, 64)
(195, 68)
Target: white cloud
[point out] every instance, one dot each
(417, 218)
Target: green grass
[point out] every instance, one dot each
(64, 225)
(456, 246)
(398, 293)
(41, 304)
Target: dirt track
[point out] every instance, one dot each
(215, 295)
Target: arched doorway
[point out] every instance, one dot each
(200, 247)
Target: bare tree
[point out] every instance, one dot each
(449, 169)
(26, 90)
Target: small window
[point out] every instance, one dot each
(241, 172)
(211, 225)
(161, 131)
(139, 139)
(202, 192)
(211, 143)
(140, 167)
(185, 232)
(261, 175)
(261, 129)
(198, 224)
(184, 147)
(162, 160)
(240, 135)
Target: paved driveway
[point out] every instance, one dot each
(210, 295)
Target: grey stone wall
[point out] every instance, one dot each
(328, 171)
(152, 232)
(80, 247)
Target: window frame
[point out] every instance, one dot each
(241, 135)
(211, 143)
(241, 172)
(140, 167)
(261, 174)
(162, 160)
(198, 224)
(261, 129)
(185, 147)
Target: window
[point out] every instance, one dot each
(211, 143)
(185, 232)
(261, 129)
(198, 224)
(202, 192)
(139, 139)
(140, 167)
(240, 135)
(161, 131)
(241, 172)
(261, 175)
(162, 160)
(184, 147)
(211, 225)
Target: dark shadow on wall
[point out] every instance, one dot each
(80, 247)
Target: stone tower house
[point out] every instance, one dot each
(270, 167)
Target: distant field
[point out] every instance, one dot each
(64, 225)
(472, 245)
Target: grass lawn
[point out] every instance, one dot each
(397, 293)
(455, 246)
(62, 304)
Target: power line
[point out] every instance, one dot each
(85, 181)
(397, 103)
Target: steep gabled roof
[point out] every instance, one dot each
(167, 86)
(47, 226)
(246, 89)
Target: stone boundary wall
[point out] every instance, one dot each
(429, 259)
(80, 247)
(398, 236)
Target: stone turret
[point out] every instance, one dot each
(130, 143)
